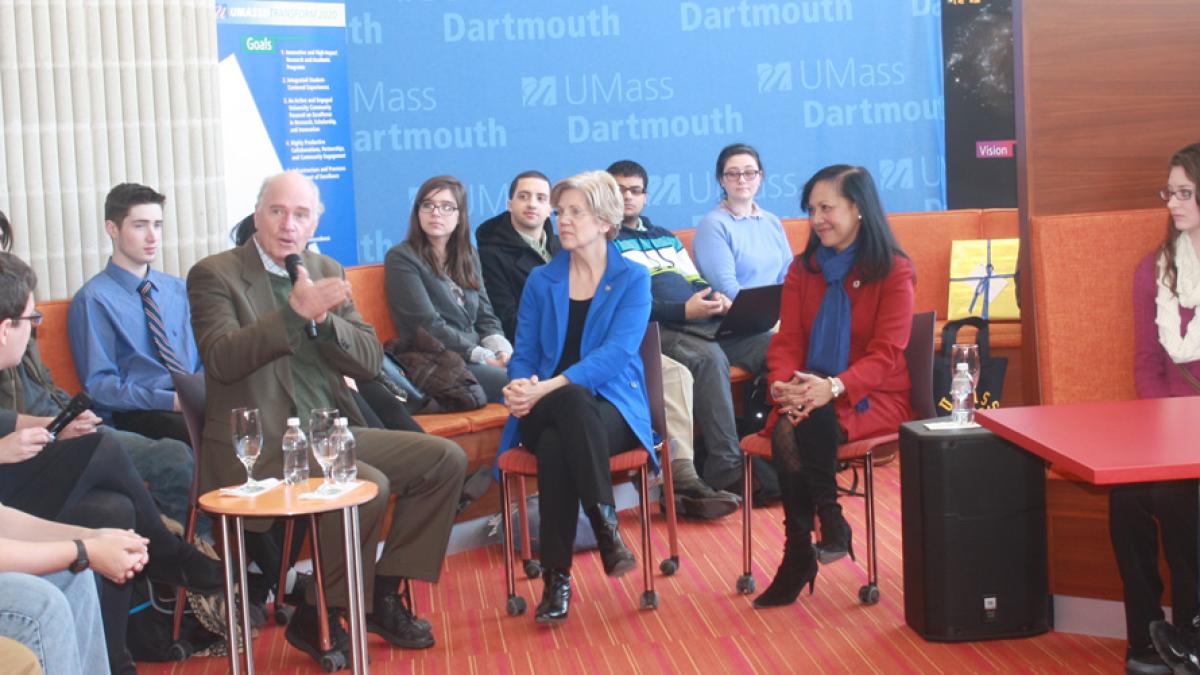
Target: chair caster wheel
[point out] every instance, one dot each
(515, 606)
(283, 614)
(669, 566)
(533, 569)
(180, 650)
(333, 661)
(650, 600)
(745, 584)
(869, 594)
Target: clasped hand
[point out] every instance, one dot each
(798, 396)
(521, 394)
(705, 304)
(117, 555)
(313, 300)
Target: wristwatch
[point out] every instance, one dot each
(836, 386)
(81, 559)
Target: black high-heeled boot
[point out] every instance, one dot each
(799, 567)
(836, 535)
(556, 597)
(617, 558)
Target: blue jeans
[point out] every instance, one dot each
(58, 617)
(166, 465)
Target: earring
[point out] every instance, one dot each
(860, 216)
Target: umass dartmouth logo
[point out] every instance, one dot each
(539, 91)
(896, 173)
(774, 77)
(666, 190)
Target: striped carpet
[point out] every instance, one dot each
(702, 625)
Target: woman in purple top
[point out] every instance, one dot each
(739, 245)
(1166, 292)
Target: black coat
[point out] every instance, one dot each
(507, 261)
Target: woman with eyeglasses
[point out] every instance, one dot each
(1166, 332)
(738, 244)
(434, 281)
(578, 389)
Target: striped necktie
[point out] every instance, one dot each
(158, 332)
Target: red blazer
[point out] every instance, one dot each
(880, 323)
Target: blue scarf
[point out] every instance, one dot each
(829, 343)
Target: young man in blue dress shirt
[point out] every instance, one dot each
(130, 326)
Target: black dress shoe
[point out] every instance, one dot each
(304, 633)
(392, 621)
(616, 557)
(189, 568)
(556, 597)
(1177, 647)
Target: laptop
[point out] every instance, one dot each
(754, 311)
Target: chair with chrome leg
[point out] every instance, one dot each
(518, 464)
(919, 355)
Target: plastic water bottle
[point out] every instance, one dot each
(961, 390)
(345, 467)
(295, 453)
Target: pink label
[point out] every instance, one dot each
(994, 149)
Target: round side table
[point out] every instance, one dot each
(279, 502)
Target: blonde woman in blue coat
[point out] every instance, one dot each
(577, 390)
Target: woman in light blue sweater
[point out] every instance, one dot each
(739, 245)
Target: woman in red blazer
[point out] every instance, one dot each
(836, 367)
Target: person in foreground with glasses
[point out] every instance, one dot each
(434, 281)
(836, 367)
(578, 389)
(85, 479)
(738, 244)
(284, 347)
(1166, 362)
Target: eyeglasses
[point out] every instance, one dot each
(1184, 194)
(34, 319)
(748, 174)
(634, 191)
(444, 208)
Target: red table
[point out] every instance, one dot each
(1108, 442)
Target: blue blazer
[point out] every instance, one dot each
(610, 364)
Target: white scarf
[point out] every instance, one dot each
(1181, 349)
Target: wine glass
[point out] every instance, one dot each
(247, 441)
(320, 432)
(968, 354)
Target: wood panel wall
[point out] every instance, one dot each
(1106, 91)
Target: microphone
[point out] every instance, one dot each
(293, 263)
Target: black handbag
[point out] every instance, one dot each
(990, 389)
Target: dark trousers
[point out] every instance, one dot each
(156, 424)
(1136, 513)
(806, 461)
(97, 509)
(573, 433)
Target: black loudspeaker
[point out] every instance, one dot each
(974, 525)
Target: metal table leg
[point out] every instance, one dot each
(235, 661)
(354, 582)
(242, 564)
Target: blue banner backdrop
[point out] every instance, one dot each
(485, 89)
